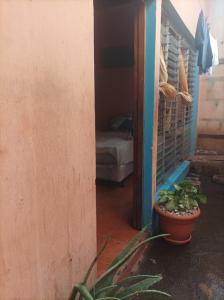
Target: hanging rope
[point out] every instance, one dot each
(184, 93)
(165, 88)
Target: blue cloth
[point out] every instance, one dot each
(202, 43)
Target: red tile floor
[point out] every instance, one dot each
(114, 214)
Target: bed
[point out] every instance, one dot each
(114, 155)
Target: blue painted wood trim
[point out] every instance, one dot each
(195, 113)
(149, 111)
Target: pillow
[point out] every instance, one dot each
(122, 123)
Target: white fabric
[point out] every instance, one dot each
(117, 146)
(215, 53)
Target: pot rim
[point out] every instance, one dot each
(167, 214)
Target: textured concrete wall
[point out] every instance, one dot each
(211, 111)
(211, 102)
(47, 146)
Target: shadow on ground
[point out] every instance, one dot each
(194, 271)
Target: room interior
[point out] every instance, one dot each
(114, 107)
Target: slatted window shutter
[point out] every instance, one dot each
(175, 117)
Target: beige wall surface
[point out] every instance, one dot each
(215, 20)
(189, 11)
(47, 145)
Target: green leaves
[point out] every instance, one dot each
(82, 290)
(128, 286)
(139, 286)
(166, 196)
(202, 199)
(138, 293)
(107, 278)
(107, 288)
(171, 205)
(184, 198)
(177, 187)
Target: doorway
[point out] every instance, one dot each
(119, 97)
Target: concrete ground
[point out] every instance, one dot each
(194, 271)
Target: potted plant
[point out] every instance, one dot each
(178, 210)
(110, 287)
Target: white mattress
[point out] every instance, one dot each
(113, 172)
(114, 147)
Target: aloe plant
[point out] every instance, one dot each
(184, 198)
(107, 288)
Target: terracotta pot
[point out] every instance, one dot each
(179, 227)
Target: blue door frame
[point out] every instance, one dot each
(149, 109)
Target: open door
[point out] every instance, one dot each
(119, 42)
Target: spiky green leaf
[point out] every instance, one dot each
(86, 277)
(108, 291)
(137, 293)
(103, 280)
(129, 246)
(109, 298)
(82, 290)
(134, 279)
(139, 286)
(108, 280)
